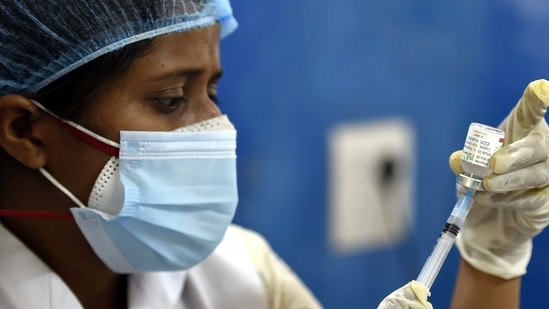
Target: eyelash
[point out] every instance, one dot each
(172, 103)
(179, 100)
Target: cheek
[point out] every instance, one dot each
(107, 118)
(75, 164)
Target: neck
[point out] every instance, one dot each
(58, 243)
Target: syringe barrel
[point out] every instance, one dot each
(433, 264)
(446, 240)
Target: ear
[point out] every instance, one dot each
(19, 124)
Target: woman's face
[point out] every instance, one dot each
(171, 85)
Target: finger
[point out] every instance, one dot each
(455, 162)
(522, 153)
(533, 176)
(528, 112)
(527, 200)
(421, 293)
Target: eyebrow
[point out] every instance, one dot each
(185, 72)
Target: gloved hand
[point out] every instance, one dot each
(496, 237)
(411, 296)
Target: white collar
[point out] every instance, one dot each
(227, 277)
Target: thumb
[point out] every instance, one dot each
(421, 292)
(528, 112)
(455, 162)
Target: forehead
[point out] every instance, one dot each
(165, 64)
(198, 49)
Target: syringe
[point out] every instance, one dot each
(446, 240)
(481, 143)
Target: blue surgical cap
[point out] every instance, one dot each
(42, 40)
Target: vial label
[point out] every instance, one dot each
(481, 143)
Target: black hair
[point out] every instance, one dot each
(68, 96)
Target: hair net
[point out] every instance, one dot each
(42, 40)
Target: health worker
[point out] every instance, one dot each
(118, 173)
(118, 176)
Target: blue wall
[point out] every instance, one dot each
(294, 69)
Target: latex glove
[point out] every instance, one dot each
(411, 296)
(496, 237)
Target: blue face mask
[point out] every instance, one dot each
(165, 202)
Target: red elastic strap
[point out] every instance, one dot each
(35, 214)
(111, 150)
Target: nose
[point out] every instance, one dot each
(203, 108)
(209, 109)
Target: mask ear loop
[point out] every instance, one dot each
(90, 137)
(45, 214)
(61, 187)
(86, 135)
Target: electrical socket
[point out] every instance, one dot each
(371, 173)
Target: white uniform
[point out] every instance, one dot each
(243, 272)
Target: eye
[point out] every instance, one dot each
(170, 104)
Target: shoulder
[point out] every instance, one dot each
(253, 243)
(249, 237)
(284, 288)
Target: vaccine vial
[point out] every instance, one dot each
(481, 143)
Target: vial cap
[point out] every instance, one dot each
(470, 182)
